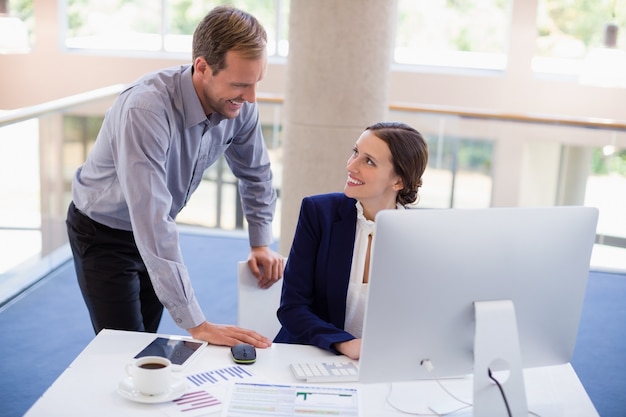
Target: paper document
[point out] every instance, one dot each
(245, 399)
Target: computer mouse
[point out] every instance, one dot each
(243, 353)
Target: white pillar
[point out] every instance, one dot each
(337, 84)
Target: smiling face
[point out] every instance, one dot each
(371, 176)
(226, 91)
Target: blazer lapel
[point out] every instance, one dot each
(340, 259)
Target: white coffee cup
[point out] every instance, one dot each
(151, 375)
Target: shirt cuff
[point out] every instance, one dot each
(187, 316)
(260, 235)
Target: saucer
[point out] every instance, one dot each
(127, 390)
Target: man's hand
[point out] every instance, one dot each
(266, 265)
(225, 335)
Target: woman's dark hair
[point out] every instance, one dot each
(226, 29)
(409, 154)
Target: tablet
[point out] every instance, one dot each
(178, 349)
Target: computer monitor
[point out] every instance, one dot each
(506, 282)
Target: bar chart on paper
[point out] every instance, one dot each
(228, 374)
(196, 401)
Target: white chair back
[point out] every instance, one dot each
(257, 306)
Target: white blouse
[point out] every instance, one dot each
(357, 290)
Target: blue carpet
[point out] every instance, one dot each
(600, 353)
(48, 326)
(42, 332)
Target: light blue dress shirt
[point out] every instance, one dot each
(149, 157)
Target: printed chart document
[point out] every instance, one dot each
(246, 399)
(206, 392)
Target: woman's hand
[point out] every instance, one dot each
(351, 348)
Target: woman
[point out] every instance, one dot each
(325, 279)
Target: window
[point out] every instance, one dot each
(453, 33)
(442, 33)
(17, 26)
(571, 34)
(114, 24)
(459, 172)
(159, 26)
(605, 185)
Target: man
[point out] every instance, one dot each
(157, 139)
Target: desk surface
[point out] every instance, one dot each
(89, 385)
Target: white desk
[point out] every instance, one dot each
(88, 387)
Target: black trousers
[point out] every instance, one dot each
(112, 276)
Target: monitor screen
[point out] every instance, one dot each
(430, 267)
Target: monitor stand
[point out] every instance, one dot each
(496, 343)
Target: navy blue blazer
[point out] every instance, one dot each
(315, 282)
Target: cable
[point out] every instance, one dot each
(415, 413)
(426, 363)
(506, 402)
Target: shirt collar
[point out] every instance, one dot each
(369, 225)
(192, 107)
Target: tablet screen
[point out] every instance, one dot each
(178, 350)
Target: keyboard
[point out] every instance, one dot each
(326, 371)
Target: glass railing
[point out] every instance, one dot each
(481, 158)
(35, 165)
(477, 159)
(40, 149)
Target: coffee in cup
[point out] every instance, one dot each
(151, 375)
